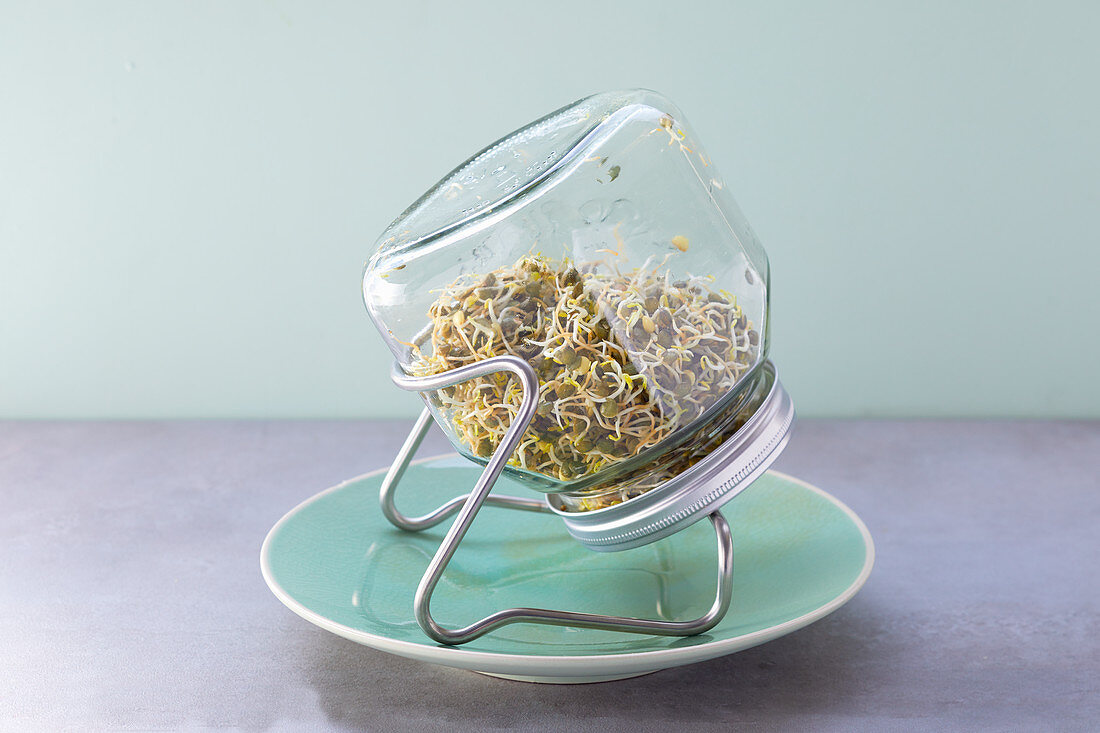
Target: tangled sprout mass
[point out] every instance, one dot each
(623, 360)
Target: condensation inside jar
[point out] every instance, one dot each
(618, 267)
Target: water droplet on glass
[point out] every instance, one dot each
(593, 211)
(623, 210)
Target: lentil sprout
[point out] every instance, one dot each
(623, 359)
(670, 465)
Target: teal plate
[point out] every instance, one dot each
(799, 554)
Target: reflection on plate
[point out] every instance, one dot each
(334, 560)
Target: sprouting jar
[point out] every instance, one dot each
(600, 245)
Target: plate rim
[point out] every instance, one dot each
(563, 665)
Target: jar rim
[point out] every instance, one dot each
(701, 490)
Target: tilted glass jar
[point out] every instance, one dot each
(600, 245)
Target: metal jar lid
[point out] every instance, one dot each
(701, 490)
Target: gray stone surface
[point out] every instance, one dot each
(131, 597)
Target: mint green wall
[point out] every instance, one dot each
(188, 190)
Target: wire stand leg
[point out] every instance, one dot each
(468, 505)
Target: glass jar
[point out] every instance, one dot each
(600, 245)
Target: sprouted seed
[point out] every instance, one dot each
(623, 360)
(671, 464)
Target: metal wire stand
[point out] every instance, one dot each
(468, 505)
